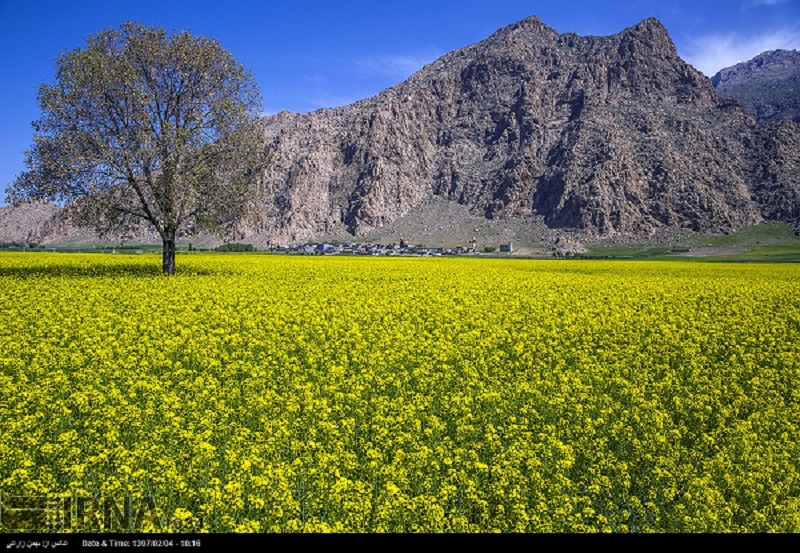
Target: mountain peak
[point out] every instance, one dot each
(767, 86)
(772, 64)
(651, 23)
(650, 29)
(531, 25)
(531, 22)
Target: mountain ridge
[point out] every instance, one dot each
(767, 86)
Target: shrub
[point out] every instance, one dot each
(234, 247)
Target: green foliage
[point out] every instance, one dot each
(761, 234)
(19, 246)
(489, 249)
(144, 125)
(631, 252)
(233, 247)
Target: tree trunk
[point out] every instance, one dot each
(168, 259)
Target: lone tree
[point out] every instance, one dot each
(144, 125)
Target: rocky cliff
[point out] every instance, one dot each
(768, 86)
(610, 135)
(32, 222)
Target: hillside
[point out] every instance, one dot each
(768, 86)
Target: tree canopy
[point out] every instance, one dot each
(146, 125)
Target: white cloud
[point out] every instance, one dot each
(711, 53)
(393, 66)
(323, 99)
(756, 3)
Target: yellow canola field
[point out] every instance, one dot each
(271, 394)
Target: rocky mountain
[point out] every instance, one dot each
(32, 222)
(609, 135)
(604, 136)
(768, 86)
(41, 222)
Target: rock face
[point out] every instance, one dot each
(32, 222)
(768, 86)
(40, 222)
(610, 135)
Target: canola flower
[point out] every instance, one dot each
(282, 394)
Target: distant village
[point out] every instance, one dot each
(353, 248)
(324, 248)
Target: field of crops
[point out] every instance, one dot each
(271, 394)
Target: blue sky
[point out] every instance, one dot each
(309, 55)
